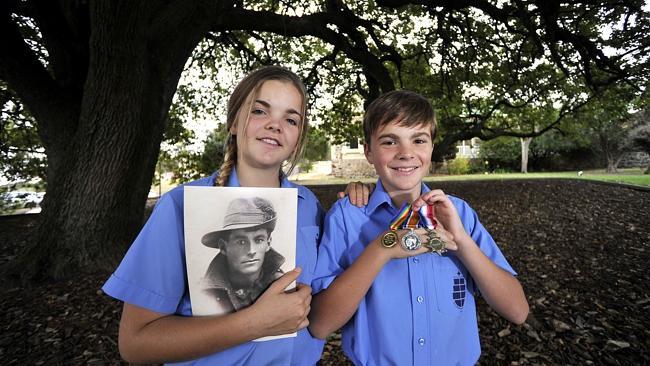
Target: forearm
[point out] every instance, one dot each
(176, 338)
(333, 307)
(500, 289)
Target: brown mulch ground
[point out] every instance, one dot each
(581, 250)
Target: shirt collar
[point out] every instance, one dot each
(233, 181)
(379, 197)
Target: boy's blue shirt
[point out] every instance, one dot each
(153, 275)
(419, 310)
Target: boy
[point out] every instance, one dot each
(400, 304)
(246, 264)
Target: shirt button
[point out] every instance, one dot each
(420, 298)
(421, 341)
(416, 260)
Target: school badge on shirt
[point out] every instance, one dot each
(459, 290)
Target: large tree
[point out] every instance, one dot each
(99, 76)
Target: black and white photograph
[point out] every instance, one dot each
(237, 242)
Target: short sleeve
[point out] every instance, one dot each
(152, 274)
(481, 236)
(331, 252)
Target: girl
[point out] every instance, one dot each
(267, 125)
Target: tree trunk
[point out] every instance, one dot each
(98, 186)
(525, 148)
(612, 164)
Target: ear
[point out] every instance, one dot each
(268, 244)
(223, 246)
(368, 152)
(233, 129)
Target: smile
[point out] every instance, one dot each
(405, 169)
(251, 261)
(270, 141)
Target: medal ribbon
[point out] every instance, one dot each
(406, 218)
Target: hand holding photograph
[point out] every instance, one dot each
(237, 242)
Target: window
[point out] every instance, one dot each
(354, 143)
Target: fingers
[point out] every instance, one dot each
(350, 190)
(281, 284)
(303, 305)
(430, 198)
(362, 192)
(358, 193)
(367, 191)
(303, 290)
(304, 324)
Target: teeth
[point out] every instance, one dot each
(271, 141)
(405, 169)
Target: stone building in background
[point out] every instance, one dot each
(349, 161)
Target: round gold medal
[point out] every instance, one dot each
(389, 239)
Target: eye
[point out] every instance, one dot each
(387, 142)
(258, 111)
(292, 122)
(420, 141)
(240, 242)
(260, 241)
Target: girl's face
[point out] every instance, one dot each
(273, 127)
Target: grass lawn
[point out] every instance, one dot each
(633, 176)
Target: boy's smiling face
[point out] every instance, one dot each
(401, 156)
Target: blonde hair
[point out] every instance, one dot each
(245, 91)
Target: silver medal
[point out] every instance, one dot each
(411, 241)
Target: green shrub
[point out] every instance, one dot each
(459, 166)
(478, 166)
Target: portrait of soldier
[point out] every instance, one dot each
(246, 264)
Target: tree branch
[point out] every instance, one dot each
(315, 25)
(55, 108)
(65, 32)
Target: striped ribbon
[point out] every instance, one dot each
(406, 218)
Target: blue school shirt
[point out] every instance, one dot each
(152, 275)
(419, 310)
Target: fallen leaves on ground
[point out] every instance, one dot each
(581, 250)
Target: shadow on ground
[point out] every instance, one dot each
(581, 250)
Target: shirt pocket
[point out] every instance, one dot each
(452, 285)
(308, 237)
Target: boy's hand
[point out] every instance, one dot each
(445, 211)
(358, 193)
(283, 312)
(398, 251)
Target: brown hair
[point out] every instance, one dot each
(246, 88)
(409, 108)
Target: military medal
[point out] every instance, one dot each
(389, 239)
(435, 244)
(409, 219)
(411, 241)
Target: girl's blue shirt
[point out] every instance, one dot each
(153, 275)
